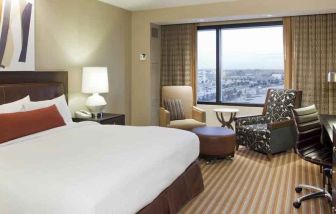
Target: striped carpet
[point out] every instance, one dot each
(252, 184)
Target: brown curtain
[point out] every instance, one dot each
(178, 55)
(310, 52)
(288, 51)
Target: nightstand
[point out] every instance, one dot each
(107, 119)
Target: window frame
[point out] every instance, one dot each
(218, 29)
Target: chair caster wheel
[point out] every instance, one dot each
(298, 189)
(297, 204)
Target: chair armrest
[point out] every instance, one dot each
(164, 117)
(280, 124)
(249, 120)
(198, 114)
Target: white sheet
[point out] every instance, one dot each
(88, 168)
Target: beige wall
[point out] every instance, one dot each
(235, 10)
(71, 34)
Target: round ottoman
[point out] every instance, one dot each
(216, 142)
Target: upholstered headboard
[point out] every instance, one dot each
(39, 85)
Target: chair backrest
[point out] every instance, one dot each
(279, 104)
(308, 126)
(334, 136)
(183, 93)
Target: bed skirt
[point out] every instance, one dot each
(180, 192)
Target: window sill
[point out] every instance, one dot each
(231, 104)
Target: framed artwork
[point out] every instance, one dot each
(17, 35)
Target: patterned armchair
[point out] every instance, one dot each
(273, 131)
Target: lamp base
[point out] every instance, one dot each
(96, 103)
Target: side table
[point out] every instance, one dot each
(219, 113)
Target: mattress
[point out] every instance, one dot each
(89, 168)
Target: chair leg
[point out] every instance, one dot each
(299, 188)
(327, 175)
(237, 146)
(318, 193)
(269, 156)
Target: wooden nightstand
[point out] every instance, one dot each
(107, 119)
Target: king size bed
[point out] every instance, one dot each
(89, 168)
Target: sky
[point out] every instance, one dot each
(242, 48)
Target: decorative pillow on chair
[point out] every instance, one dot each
(175, 108)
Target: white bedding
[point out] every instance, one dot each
(88, 168)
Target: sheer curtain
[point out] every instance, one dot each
(310, 52)
(178, 55)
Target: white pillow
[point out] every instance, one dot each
(60, 103)
(15, 106)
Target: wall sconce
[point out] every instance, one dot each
(331, 76)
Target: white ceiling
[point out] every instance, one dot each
(135, 5)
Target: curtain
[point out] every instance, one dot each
(310, 52)
(178, 55)
(288, 51)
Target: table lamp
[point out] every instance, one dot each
(331, 76)
(95, 81)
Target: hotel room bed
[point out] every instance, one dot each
(91, 168)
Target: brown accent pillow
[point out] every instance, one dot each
(175, 108)
(20, 124)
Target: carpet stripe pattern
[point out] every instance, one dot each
(252, 184)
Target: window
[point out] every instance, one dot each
(206, 51)
(238, 63)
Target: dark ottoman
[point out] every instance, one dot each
(216, 142)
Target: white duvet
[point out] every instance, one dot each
(88, 168)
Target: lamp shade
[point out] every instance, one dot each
(95, 80)
(331, 76)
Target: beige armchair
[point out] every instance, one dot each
(195, 117)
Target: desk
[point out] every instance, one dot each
(329, 133)
(328, 122)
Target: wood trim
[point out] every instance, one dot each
(298, 99)
(19, 77)
(280, 124)
(193, 64)
(265, 105)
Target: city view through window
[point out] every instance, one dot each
(251, 61)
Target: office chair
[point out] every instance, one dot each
(310, 148)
